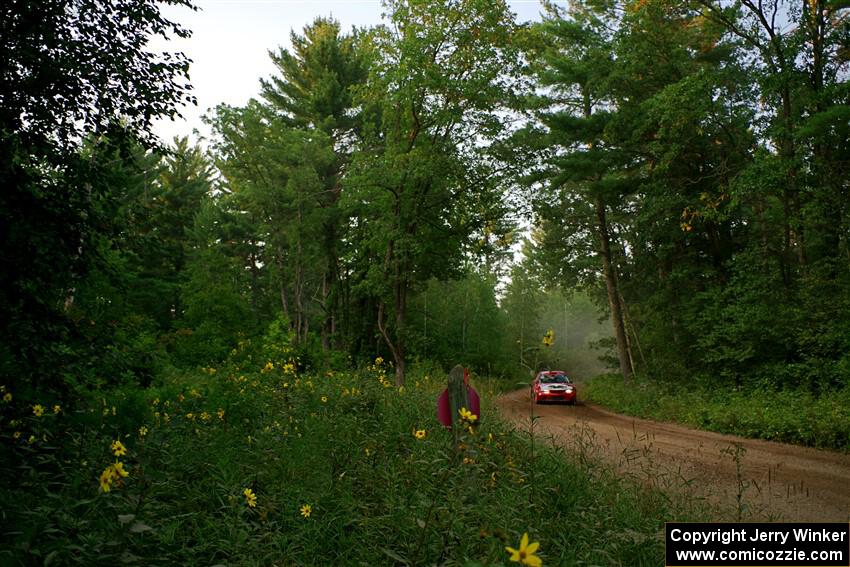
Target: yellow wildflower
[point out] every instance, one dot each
(250, 498)
(306, 510)
(525, 554)
(38, 410)
(379, 361)
(143, 431)
(205, 416)
(267, 368)
(220, 413)
(57, 408)
(112, 474)
(118, 467)
(467, 415)
(16, 434)
(549, 338)
(419, 434)
(118, 448)
(324, 399)
(31, 440)
(107, 477)
(7, 397)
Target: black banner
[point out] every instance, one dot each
(757, 544)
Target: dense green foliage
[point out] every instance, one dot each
(693, 159)
(679, 168)
(342, 443)
(78, 85)
(371, 198)
(789, 416)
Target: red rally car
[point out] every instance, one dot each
(553, 386)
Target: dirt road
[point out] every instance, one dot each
(774, 481)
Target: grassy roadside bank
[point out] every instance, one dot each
(788, 416)
(231, 467)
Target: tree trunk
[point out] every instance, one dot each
(284, 305)
(255, 281)
(326, 340)
(400, 317)
(613, 292)
(298, 284)
(382, 327)
(400, 297)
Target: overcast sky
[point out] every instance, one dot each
(231, 39)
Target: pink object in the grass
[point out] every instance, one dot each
(444, 410)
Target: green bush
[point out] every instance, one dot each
(793, 415)
(344, 444)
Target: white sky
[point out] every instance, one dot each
(231, 39)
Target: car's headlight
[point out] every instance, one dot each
(570, 390)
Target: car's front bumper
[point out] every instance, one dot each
(556, 396)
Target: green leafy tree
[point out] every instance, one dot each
(585, 172)
(522, 305)
(274, 175)
(314, 90)
(60, 83)
(459, 322)
(419, 186)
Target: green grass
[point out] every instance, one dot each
(789, 416)
(342, 443)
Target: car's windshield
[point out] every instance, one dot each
(554, 378)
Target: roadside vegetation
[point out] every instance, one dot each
(261, 464)
(685, 216)
(792, 415)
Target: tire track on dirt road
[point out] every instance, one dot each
(776, 481)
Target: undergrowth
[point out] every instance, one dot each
(791, 416)
(248, 466)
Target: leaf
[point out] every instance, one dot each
(126, 518)
(128, 557)
(420, 523)
(139, 527)
(392, 554)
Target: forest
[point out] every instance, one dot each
(660, 187)
(683, 165)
